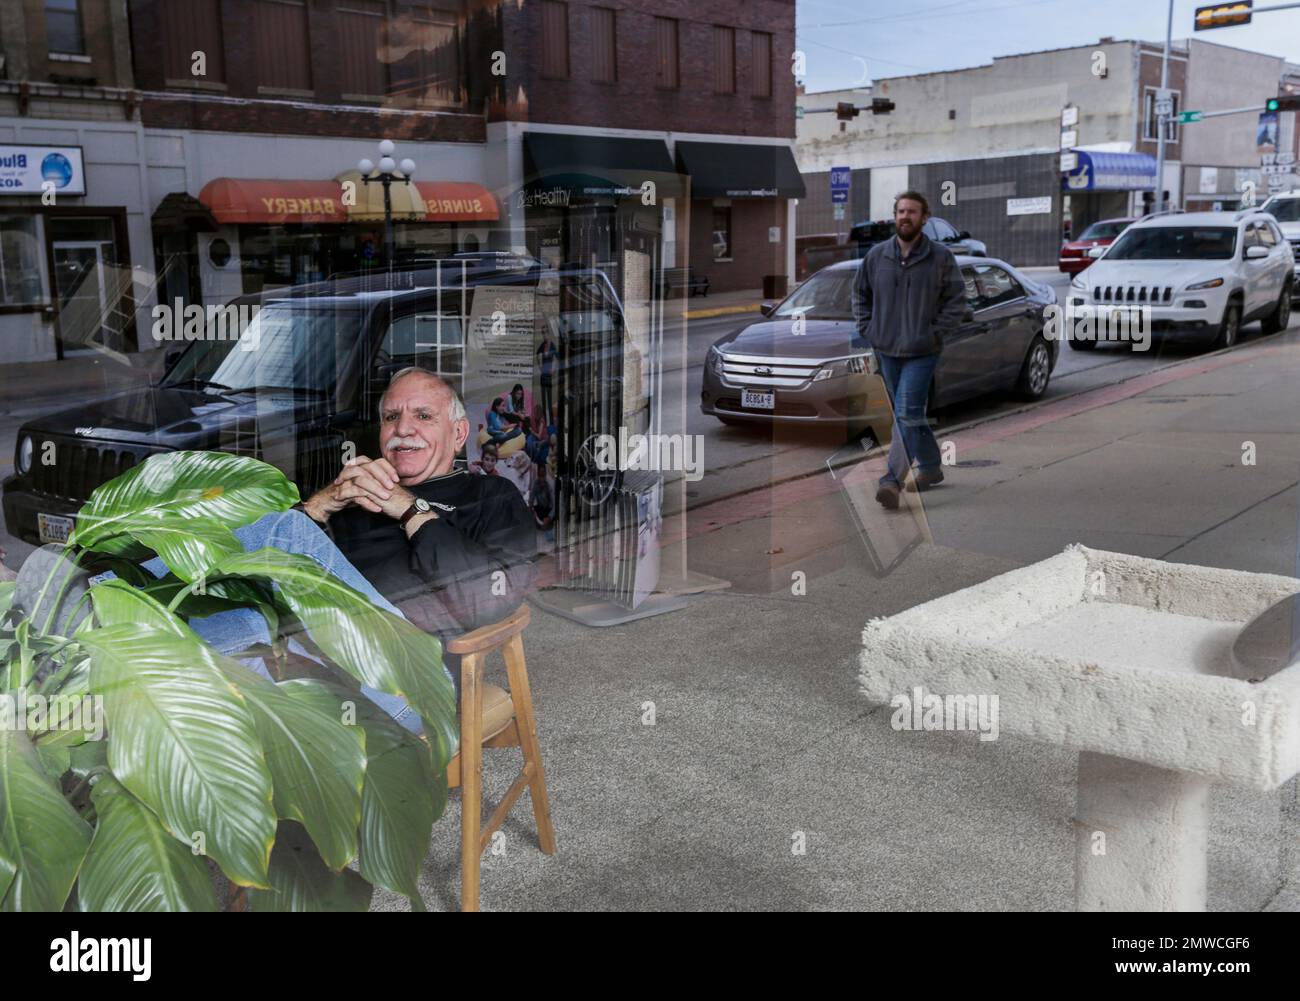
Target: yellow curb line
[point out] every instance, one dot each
(704, 314)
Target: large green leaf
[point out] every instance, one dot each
(183, 505)
(182, 741)
(381, 649)
(134, 864)
(42, 840)
(6, 595)
(317, 763)
(401, 799)
(300, 881)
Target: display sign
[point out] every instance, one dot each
(1029, 206)
(1069, 118)
(1069, 138)
(33, 170)
(1069, 161)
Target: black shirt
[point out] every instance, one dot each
(472, 565)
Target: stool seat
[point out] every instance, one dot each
(498, 710)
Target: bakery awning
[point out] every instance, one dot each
(589, 165)
(740, 170)
(237, 200)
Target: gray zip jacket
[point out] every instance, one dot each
(905, 309)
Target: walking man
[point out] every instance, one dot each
(907, 297)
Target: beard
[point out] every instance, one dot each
(908, 229)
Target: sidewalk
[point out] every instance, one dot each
(766, 781)
(80, 376)
(700, 307)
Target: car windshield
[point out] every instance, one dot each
(824, 296)
(293, 346)
(1284, 209)
(1175, 243)
(1103, 231)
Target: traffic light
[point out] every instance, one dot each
(1287, 102)
(1223, 15)
(844, 110)
(881, 105)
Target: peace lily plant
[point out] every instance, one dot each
(299, 790)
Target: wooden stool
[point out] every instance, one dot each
(492, 717)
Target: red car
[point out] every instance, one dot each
(1074, 255)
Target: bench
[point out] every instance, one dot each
(675, 278)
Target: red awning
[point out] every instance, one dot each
(235, 200)
(458, 201)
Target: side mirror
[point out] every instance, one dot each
(1256, 253)
(767, 309)
(1096, 252)
(171, 356)
(964, 235)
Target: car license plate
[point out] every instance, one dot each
(53, 527)
(756, 400)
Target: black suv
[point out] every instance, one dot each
(306, 380)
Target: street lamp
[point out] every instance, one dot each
(387, 174)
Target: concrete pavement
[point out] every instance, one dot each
(766, 781)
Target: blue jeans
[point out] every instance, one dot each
(908, 381)
(238, 629)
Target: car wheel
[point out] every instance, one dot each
(1229, 328)
(1036, 372)
(1278, 320)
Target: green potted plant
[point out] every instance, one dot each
(184, 761)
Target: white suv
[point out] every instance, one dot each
(1285, 208)
(1201, 274)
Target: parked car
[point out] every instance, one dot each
(866, 235)
(321, 356)
(1202, 274)
(1284, 207)
(812, 242)
(1074, 253)
(798, 365)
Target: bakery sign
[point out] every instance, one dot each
(35, 170)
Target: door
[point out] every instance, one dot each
(969, 354)
(79, 280)
(1258, 287)
(1005, 306)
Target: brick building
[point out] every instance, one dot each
(216, 139)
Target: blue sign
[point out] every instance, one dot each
(841, 178)
(34, 170)
(1111, 172)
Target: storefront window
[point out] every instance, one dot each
(20, 261)
(722, 233)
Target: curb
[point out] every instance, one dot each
(704, 314)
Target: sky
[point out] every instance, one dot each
(849, 42)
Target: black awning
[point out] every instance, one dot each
(178, 211)
(597, 165)
(740, 170)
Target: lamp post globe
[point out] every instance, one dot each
(408, 166)
(367, 167)
(386, 148)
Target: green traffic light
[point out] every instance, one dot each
(1271, 105)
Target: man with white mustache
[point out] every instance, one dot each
(452, 550)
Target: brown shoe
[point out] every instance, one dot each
(887, 496)
(920, 481)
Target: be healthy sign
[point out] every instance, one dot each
(33, 170)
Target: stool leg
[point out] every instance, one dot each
(522, 697)
(471, 777)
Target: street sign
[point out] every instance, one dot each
(1164, 106)
(841, 179)
(1068, 162)
(1069, 117)
(1222, 15)
(798, 111)
(839, 213)
(1190, 116)
(1070, 138)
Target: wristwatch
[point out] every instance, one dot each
(421, 506)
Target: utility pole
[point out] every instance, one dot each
(1161, 120)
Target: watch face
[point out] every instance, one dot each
(422, 505)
